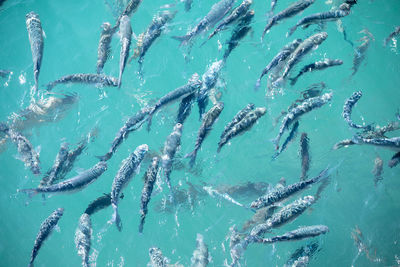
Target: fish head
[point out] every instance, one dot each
(102, 166)
(142, 150)
(60, 211)
(260, 111)
(31, 15)
(309, 199)
(220, 106)
(327, 97)
(248, 2)
(324, 228)
(320, 37)
(178, 127)
(344, 7)
(154, 251)
(106, 26)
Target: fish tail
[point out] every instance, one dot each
(142, 218)
(293, 81)
(182, 39)
(275, 141)
(30, 192)
(192, 155)
(220, 145)
(119, 79)
(292, 30)
(115, 218)
(258, 84)
(149, 119)
(106, 157)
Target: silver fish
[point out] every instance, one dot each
(55, 170)
(130, 8)
(83, 235)
(344, 10)
(96, 79)
(200, 255)
(35, 33)
(285, 52)
(378, 170)
(280, 194)
(170, 147)
(209, 80)
(298, 234)
(305, 156)
(319, 65)
(391, 143)
(45, 230)
(361, 50)
(156, 258)
(295, 113)
(217, 12)
(392, 35)
(348, 108)
(292, 135)
(150, 178)
(104, 49)
(76, 183)
(238, 117)
(289, 12)
(206, 125)
(125, 30)
(244, 125)
(129, 167)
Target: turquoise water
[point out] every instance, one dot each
(72, 30)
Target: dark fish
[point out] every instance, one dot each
(319, 65)
(130, 8)
(244, 125)
(193, 85)
(129, 167)
(239, 32)
(184, 108)
(280, 57)
(289, 139)
(35, 33)
(238, 117)
(132, 124)
(394, 160)
(298, 234)
(319, 18)
(83, 235)
(378, 169)
(25, 149)
(97, 79)
(281, 194)
(348, 108)
(55, 170)
(170, 147)
(188, 5)
(295, 113)
(217, 12)
(150, 178)
(289, 12)
(104, 49)
(99, 204)
(361, 50)
(156, 258)
(392, 35)
(146, 39)
(236, 14)
(200, 255)
(125, 31)
(304, 48)
(76, 183)
(206, 125)
(45, 230)
(305, 156)
(4, 73)
(209, 80)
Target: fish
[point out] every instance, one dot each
(298, 234)
(394, 160)
(304, 155)
(319, 18)
(280, 194)
(206, 125)
(301, 262)
(35, 32)
(188, 4)
(125, 30)
(361, 50)
(273, 5)
(237, 118)
(146, 39)
(391, 143)
(4, 73)
(200, 255)
(239, 32)
(261, 215)
(209, 80)
(96, 79)
(83, 234)
(244, 125)
(235, 15)
(104, 49)
(25, 148)
(392, 35)
(45, 230)
(132, 124)
(292, 135)
(100, 203)
(74, 184)
(129, 167)
(283, 54)
(304, 48)
(294, 114)
(129, 10)
(289, 12)
(348, 108)
(170, 147)
(184, 108)
(319, 65)
(194, 84)
(306, 251)
(53, 173)
(217, 12)
(156, 258)
(378, 169)
(150, 178)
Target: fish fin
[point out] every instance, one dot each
(57, 228)
(44, 34)
(192, 155)
(291, 31)
(30, 192)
